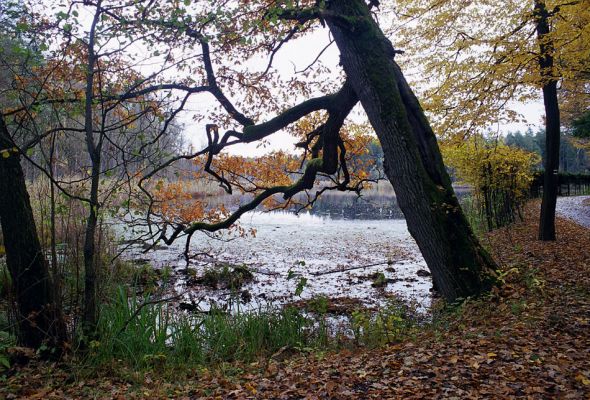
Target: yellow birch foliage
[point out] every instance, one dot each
(475, 59)
(491, 165)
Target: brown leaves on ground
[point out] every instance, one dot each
(530, 339)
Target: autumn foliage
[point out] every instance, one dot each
(477, 58)
(179, 202)
(500, 176)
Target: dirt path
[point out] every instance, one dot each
(576, 208)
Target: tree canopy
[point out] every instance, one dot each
(477, 60)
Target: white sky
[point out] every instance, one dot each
(293, 56)
(301, 53)
(296, 55)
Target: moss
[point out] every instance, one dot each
(468, 267)
(252, 133)
(315, 164)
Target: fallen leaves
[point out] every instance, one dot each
(525, 341)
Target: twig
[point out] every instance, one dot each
(265, 272)
(335, 271)
(148, 303)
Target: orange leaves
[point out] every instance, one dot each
(483, 348)
(175, 203)
(308, 124)
(358, 139)
(248, 174)
(190, 199)
(183, 201)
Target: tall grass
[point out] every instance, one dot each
(141, 334)
(473, 212)
(65, 253)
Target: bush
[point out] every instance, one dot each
(500, 177)
(393, 322)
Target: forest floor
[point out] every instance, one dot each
(529, 339)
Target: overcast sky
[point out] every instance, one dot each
(295, 55)
(298, 54)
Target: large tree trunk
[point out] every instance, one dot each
(39, 320)
(460, 266)
(552, 129)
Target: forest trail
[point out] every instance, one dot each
(576, 208)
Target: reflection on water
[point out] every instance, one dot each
(350, 206)
(378, 202)
(303, 218)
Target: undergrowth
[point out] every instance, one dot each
(139, 334)
(144, 335)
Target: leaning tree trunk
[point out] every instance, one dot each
(552, 129)
(460, 266)
(39, 320)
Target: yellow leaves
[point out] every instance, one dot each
(307, 124)
(6, 152)
(491, 165)
(249, 387)
(583, 379)
(475, 58)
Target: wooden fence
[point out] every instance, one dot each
(568, 184)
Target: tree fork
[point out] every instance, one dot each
(338, 106)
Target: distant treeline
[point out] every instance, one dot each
(572, 158)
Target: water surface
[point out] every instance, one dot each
(288, 247)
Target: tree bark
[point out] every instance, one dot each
(39, 319)
(460, 266)
(90, 317)
(552, 128)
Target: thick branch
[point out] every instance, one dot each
(338, 108)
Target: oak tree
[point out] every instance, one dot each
(413, 163)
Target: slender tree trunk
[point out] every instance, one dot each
(55, 268)
(460, 266)
(90, 265)
(90, 316)
(39, 319)
(552, 129)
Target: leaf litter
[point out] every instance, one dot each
(529, 339)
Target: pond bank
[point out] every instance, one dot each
(517, 343)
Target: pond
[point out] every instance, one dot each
(294, 258)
